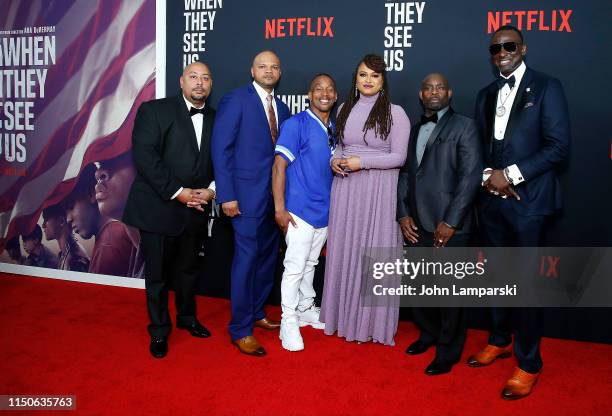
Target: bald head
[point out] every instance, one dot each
(435, 93)
(196, 83)
(435, 78)
(266, 70)
(196, 66)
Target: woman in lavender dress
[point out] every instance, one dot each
(373, 136)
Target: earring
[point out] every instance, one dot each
(382, 92)
(356, 92)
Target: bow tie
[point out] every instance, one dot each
(501, 81)
(433, 118)
(193, 111)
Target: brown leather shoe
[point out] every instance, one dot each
(268, 324)
(488, 355)
(250, 346)
(520, 385)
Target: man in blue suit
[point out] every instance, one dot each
(245, 133)
(523, 123)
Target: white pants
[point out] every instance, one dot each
(304, 245)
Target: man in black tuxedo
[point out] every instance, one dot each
(169, 198)
(523, 124)
(435, 193)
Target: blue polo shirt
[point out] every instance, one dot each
(304, 143)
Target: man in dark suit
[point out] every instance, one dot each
(169, 199)
(436, 190)
(523, 124)
(243, 143)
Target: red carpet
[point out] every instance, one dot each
(59, 337)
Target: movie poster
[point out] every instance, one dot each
(72, 75)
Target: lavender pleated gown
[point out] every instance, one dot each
(362, 215)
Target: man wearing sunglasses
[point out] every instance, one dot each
(523, 123)
(301, 183)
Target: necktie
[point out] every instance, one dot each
(193, 111)
(501, 81)
(272, 119)
(433, 118)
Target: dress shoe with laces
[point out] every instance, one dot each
(195, 329)
(417, 347)
(488, 355)
(159, 347)
(268, 324)
(437, 367)
(520, 385)
(250, 346)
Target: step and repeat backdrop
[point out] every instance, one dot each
(73, 73)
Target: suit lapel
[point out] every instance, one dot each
(412, 145)
(185, 122)
(517, 106)
(260, 109)
(280, 117)
(436, 132)
(490, 104)
(206, 130)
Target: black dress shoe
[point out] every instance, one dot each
(195, 329)
(417, 347)
(159, 347)
(438, 367)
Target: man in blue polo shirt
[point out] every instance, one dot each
(301, 184)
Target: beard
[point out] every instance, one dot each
(199, 98)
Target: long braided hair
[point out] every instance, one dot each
(379, 118)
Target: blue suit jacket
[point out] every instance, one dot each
(243, 152)
(536, 140)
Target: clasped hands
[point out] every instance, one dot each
(342, 166)
(497, 184)
(442, 234)
(195, 198)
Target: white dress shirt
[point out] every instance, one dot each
(263, 96)
(507, 95)
(198, 121)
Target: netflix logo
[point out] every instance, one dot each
(531, 20)
(299, 26)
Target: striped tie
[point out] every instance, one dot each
(272, 119)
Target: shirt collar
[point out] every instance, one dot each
(263, 94)
(189, 105)
(314, 116)
(518, 73)
(442, 112)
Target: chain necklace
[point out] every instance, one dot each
(501, 109)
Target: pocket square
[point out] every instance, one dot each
(528, 105)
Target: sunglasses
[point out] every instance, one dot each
(508, 47)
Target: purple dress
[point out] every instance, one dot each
(362, 214)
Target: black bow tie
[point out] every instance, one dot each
(501, 81)
(193, 111)
(433, 118)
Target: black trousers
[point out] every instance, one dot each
(171, 260)
(500, 226)
(444, 327)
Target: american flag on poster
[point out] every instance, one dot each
(72, 75)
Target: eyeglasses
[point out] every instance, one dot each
(508, 47)
(331, 140)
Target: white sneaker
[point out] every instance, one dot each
(290, 335)
(311, 317)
